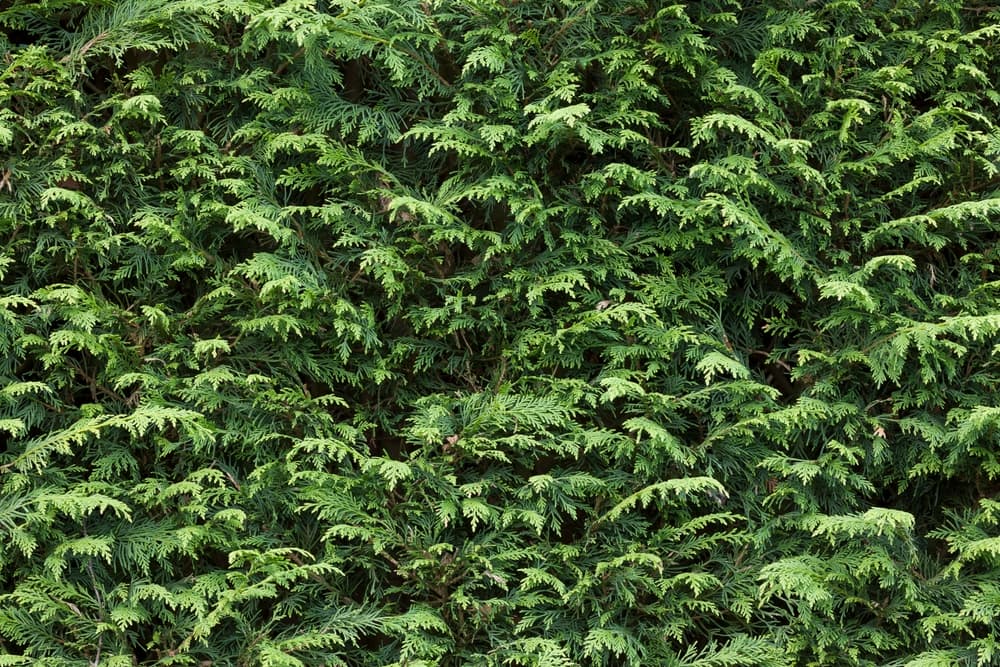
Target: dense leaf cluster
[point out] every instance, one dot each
(499, 332)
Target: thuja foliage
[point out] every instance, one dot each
(498, 332)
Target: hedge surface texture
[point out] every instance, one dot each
(538, 333)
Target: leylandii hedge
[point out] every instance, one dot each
(499, 332)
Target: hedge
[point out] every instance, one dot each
(539, 333)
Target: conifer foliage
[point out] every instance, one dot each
(538, 333)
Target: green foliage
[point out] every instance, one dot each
(528, 333)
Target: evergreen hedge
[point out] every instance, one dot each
(499, 332)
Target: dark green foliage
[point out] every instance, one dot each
(399, 332)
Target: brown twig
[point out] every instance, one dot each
(86, 47)
(280, 69)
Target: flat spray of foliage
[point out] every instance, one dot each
(538, 333)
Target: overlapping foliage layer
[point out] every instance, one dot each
(499, 332)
